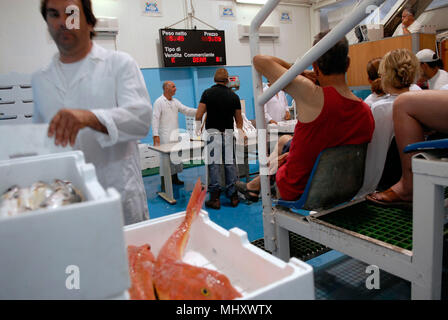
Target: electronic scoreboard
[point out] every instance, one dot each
(187, 48)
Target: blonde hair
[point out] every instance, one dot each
(399, 69)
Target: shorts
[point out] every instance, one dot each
(286, 147)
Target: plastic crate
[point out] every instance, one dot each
(39, 248)
(253, 272)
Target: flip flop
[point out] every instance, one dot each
(242, 187)
(390, 199)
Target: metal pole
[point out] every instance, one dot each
(359, 13)
(268, 225)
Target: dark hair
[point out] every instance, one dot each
(372, 68)
(411, 10)
(436, 63)
(335, 60)
(372, 71)
(86, 7)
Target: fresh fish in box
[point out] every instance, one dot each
(141, 264)
(176, 280)
(64, 193)
(17, 200)
(9, 204)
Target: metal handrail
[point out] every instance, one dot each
(360, 12)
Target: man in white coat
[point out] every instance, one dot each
(276, 109)
(96, 101)
(165, 121)
(408, 23)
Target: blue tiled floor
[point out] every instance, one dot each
(246, 216)
(336, 276)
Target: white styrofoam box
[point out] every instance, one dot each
(150, 162)
(252, 271)
(17, 93)
(15, 120)
(14, 78)
(283, 126)
(39, 248)
(6, 94)
(16, 108)
(145, 151)
(28, 140)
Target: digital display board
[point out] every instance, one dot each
(187, 48)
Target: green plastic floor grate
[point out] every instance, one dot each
(300, 247)
(390, 225)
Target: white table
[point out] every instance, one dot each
(283, 127)
(166, 150)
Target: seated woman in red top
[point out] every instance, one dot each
(330, 115)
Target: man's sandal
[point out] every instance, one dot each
(242, 187)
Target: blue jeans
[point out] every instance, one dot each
(218, 158)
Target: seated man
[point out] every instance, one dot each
(432, 69)
(408, 23)
(330, 115)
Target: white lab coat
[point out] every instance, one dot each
(275, 109)
(415, 27)
(165, 118)
(111, 85)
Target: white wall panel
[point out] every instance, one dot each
(26, 44)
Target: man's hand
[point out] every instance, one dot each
(198, 128)
(287, 116)
(66, 124)
(311, 75)
(156, 140)
(273, 122)
(282, 159)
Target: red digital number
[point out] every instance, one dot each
(174, 38)
(211, 39)
(199, 59)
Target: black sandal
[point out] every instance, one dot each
(242, 187)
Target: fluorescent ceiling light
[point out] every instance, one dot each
(252, 1)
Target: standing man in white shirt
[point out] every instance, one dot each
(408, 23)
(430, 65)
(165, 121)
(276, 109)
(96, 101)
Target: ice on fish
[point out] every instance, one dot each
(40, 195)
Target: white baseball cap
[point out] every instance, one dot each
(427, 55)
